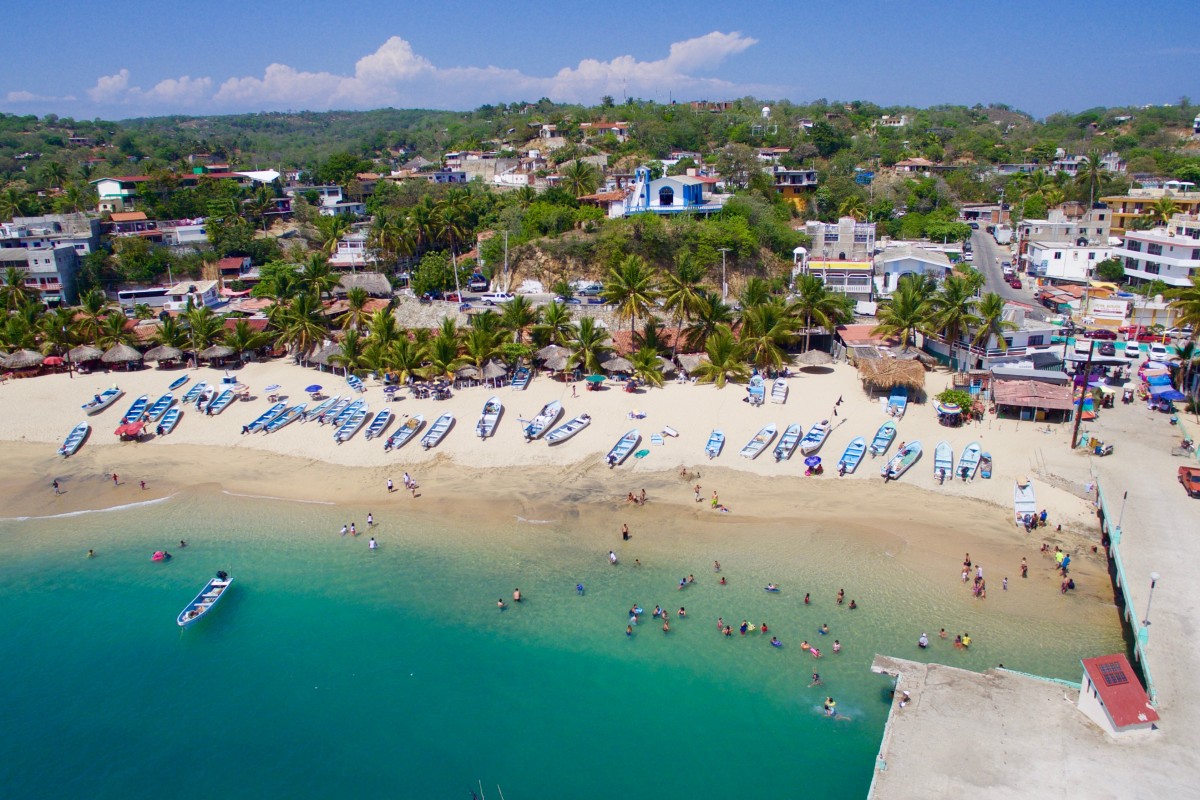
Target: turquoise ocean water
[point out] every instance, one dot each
(332, 671)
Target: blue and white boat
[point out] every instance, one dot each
(74, 439)
(520, 378)
(943, 460)
(160, 407)
(355, 383)
(543, 421)
(787, 443)
(969, 462)
(779, 391)
(135, 412)
(169, 421)
(899, 463)
(489, 418)
(716, 441)
(568, 429)
(262, 419)
(898, 401)
(408, 429)
(621, 450)
(321, 407)
(351, 424)
(883, 438)
(221, 403)
(756, 390)
(761, 441)
(349, 410)
(175, 384)
(102, 401)
(815, 437)
(334, 411)
(852, 455)
(286, 418)
(437, 431)
(379, 424)
(194, 392)
(212, 592)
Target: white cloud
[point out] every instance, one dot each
(395, 75)
(22, 96)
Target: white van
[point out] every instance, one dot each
(492, 298)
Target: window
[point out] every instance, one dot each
(1196, 254)
(1134, 246)
(1154, 249)
(1091, 256)
(1131, 263)
(666, 196)
(831, 237)
(1036, 340)
(1152, 268)
(1057, 255)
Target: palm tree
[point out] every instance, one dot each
(725, 362)
(647, 366)
(356, 301)
(92, 306)
(1186, 302)
(555, 327)
(1091, 171)
(588, 344)
(518, 315)
(953, 312)
(17, 334)
(990, 322)
(711, 313)
(906, 312)
(383, 328)
(13, 203)
(651, 336)
(480, 346)
(301, 326)
(405, 357)
(59, 333)
(317, 276)
(330, 231)
(204, 328)
(170, 334)
(755, 293)
(1187, 360)
(350, 351)
(1163, 209)
(54, 173)
(767, 331)
(682, 293)
(245, 339)
(14, 290)
(580, 178)
(630, 287)
(814, 303)
(443, 354)
(113, 332)
(853, 206)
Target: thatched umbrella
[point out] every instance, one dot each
(468, 372)
(886, 373)
(666, 365)
(321, 355)
(552, 351)
(494, 369)
(85, 352)
(557, 363)
(120, 354)
(689, 361)
(24, 359)
(163, 353)
(215, 352)
(617, 364)
(813, 358)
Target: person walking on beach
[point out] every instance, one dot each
(624, 532)
(370, 521)
(353, 530)
(345, 528)
(715, 501)
(115, 479)
(643, 498)
(1004, 584)
(390, 487)
(55, 487)
(697, 493)
(573, 393)
(143, 483)
(1024, 568)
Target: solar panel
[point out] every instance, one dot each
(1113, 674)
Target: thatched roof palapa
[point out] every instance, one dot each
(689, 361)
(85, 352)
(617, 364)
(813, 358)
(470, 372)
(24, 359)
(163, 353)
(119, 354)
(887, 373)
(557, 363)
(494, 369)
(215, 352)
(552, 351)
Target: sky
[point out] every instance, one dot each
(130, 58)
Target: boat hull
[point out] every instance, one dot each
(567, 430)
(204, 602)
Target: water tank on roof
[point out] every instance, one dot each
(766, 112)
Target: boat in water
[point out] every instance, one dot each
(543, 421)
(135, 412)
(787, 443)
(968, 464)
(943, 461)
(761, 441)
(102, 401)
(815, 437)
(899, 463)
(74, 439)
(883, 438)
(408, 429)
(379, 424)
(489, 418)
(169, 421)
(437, 431)
(286, 418)
(568, 429)
(852, 455)
(212, 592)
(262, 419)
(716, 441)
(621, 450)
(779, 391)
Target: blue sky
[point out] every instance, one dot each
(134, 58)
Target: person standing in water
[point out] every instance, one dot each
(370, 520)
(373, 544)
(516, 595)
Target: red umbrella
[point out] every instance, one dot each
(130, 429)
(53, 361)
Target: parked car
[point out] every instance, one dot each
(1107, 349)
(1101, 333)
(453, 297)
(570, 301)
(591, 290)
(1015, 282)
(973, 226)
(1133, 350)
(1160, 352)
(492, 298)
(1190, 478)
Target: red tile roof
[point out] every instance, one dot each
(622, 341)
(1120, 692)
(861, 335)
(256, 323)
(128, 216)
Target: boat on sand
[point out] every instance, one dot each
(379, 424)
(716, 441)
(543, 421)
(102, 401)
(489, 418)
(74, 439)
(437, 431)
(568, 429)
(883, 438)
(969, 462)
(787, 443)
(408, 429)
(899, 463)
(815, 437)
(852, 455)
(943, 461)
(621, 450)
(761, 441)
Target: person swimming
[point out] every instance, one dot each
(516, 595)
(500, 604)
(682, 611)
(373, 544)
(722, 581)
(629, 630)
(772, 587)
(775, 642)
(91, 554)
(923, 641)
(806, 599)
(815, 652)
(824, 629)
(579, 588)
(804, 645)
(830, 706)
(837, 646)
(853, 605)
(816, 680)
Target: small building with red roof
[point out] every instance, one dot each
(1112, 696)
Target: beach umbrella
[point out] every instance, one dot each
(120, 354)
(84, 352)
(240, 387)
(617, 364)
(552, 351)
(594, 379)
(812, 461)
(556, 363)
(469, 372)
(24, 359)
(53, 361)
(215, 352)
(948, 408)
(666, 365)
(163, 353)
(274, 387)
(313, 389)
(1170, 394)
(814, 358)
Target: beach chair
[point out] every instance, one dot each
(656, 438)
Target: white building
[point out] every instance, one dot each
(196, 293)
(1057, 261)
(352, 252)
(1069, 225)
(677, 194)
(1171, 254)
(1028, 336)
(81, 232)
(899, 121)
(905, 259)
(844, 240)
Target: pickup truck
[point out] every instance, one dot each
(1190, 478)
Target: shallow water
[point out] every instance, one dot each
(330, 670)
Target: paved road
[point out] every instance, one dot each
(988, 256)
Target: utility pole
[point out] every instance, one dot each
(724, 283)
(1087, 370)
(506, 261)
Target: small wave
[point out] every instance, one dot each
(536, 521)
(82, 512)
(281, 499)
